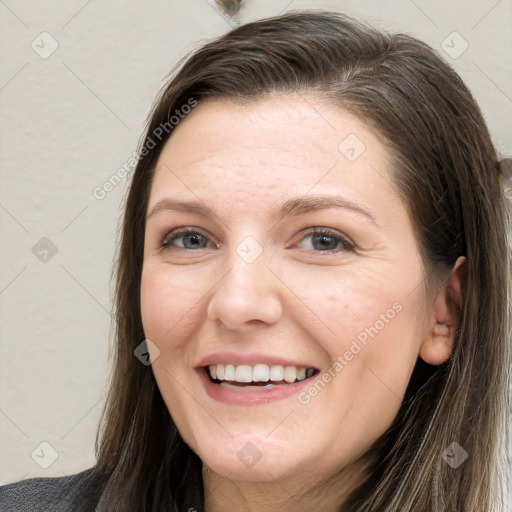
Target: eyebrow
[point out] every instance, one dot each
(291, 208)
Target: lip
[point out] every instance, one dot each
(250, 359)
(245, 396)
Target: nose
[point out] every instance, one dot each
(248, 292)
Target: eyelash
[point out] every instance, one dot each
(347, 245)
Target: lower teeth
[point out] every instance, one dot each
(252, 384)
(248, 385)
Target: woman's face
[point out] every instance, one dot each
(257, 287)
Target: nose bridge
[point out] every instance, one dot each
(248, 266)
(248, 289)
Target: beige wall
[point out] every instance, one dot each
(70, 120)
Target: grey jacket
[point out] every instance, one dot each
(74, 493)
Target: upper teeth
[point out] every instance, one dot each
(259, 372)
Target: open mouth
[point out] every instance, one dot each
(258, 376)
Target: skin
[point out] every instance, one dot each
(295, 300)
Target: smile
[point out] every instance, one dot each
(245, 385)
(259, 374)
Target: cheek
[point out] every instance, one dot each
(168, 301)
(169, 320)
(378, 356)
(368, 324)
(344, 303)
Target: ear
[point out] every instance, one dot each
(444, 317)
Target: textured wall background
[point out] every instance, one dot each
(77, 81)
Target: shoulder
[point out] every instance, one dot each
(77, 492)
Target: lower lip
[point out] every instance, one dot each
(250, 396)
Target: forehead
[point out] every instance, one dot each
(305, 126)
(269, 148)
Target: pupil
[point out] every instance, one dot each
(323, 239)
(195, 238)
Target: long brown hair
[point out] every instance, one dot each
(446, 171)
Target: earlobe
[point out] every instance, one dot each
(437, 347)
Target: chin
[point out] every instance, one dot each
(249, 459)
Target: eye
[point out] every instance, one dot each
(328, 241)
(324, 239)
(192, 238)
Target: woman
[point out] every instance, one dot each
(314, 261)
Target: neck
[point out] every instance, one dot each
(305, 492)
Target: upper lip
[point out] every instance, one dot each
(249, 359)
